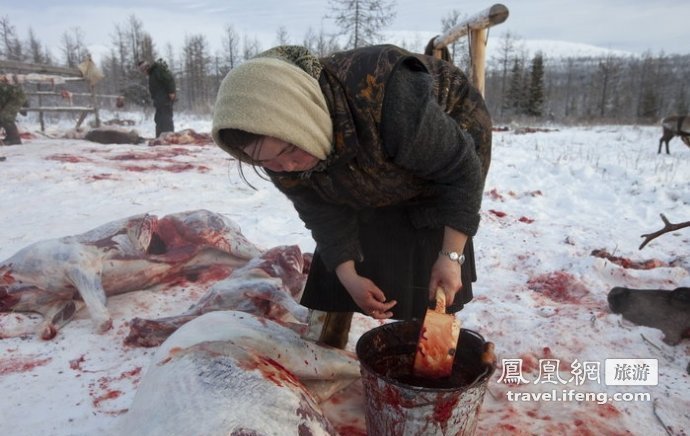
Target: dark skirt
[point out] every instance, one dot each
(398, 258)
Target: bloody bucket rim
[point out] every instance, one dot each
(481, 378)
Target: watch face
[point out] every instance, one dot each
(453, 255)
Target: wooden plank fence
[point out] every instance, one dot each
(45, 85)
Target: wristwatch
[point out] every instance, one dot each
(454, 256)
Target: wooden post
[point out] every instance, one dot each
(94, 99)
(478, 50)
(40, 114)
(477, 27)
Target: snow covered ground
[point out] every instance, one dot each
(552, 197)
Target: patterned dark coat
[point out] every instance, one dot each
(393, 147)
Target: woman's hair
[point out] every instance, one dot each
(234, 142)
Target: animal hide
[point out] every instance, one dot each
(234, 373)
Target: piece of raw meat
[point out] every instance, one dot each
(269, 286)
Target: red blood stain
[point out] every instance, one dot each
(272, 370)
(110, 395)
(68, 158)
(7, 277)
(529, 363)
(7, 300)
(351, 430)
(495, 195)
(101, 391)
(443, 409)
(104, 176)
(173, 168)
(75, 364)
(161, 154)
(524, 219)
(608, 411)
(498, 213)
(629, 263)
(210, 274)
(559, 286)
(508, 427)
(21, 364)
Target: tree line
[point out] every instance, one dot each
(604, 89)
(632, 89)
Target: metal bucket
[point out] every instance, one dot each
(399, 404)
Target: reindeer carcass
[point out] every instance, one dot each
(49, 277)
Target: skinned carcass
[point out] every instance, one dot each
(269, 286)
(231, 372)
(668, 311)
(51, 276)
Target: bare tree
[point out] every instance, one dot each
(459, 48)
(608, 70)
(362, 20)
(36, 53)
(320, 43)
(506, 50)
(11, 48)
(197, 63)
(231, 51)
(282, 37)
(251, 47)
(73, 47)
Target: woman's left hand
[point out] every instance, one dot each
(445, 274)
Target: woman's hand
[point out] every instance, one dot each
(446, 272)
(364, 292)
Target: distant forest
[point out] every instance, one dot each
(611, 89)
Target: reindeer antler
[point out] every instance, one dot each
(668, 227)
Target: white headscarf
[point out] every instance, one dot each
(273, 97)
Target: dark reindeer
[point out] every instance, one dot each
(677, 125)
(666, 310)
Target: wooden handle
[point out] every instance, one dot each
(440, 300)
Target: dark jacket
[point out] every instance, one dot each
(161, 83)
(12, 98)
(408, 130)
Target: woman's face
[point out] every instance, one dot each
(280, 156)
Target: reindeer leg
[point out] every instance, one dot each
(56, 316)
(92, 292)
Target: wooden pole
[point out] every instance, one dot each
(477, 27)
(492, 16)
(478, 50)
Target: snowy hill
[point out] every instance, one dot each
(551, 49)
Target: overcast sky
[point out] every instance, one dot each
(635, 26)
